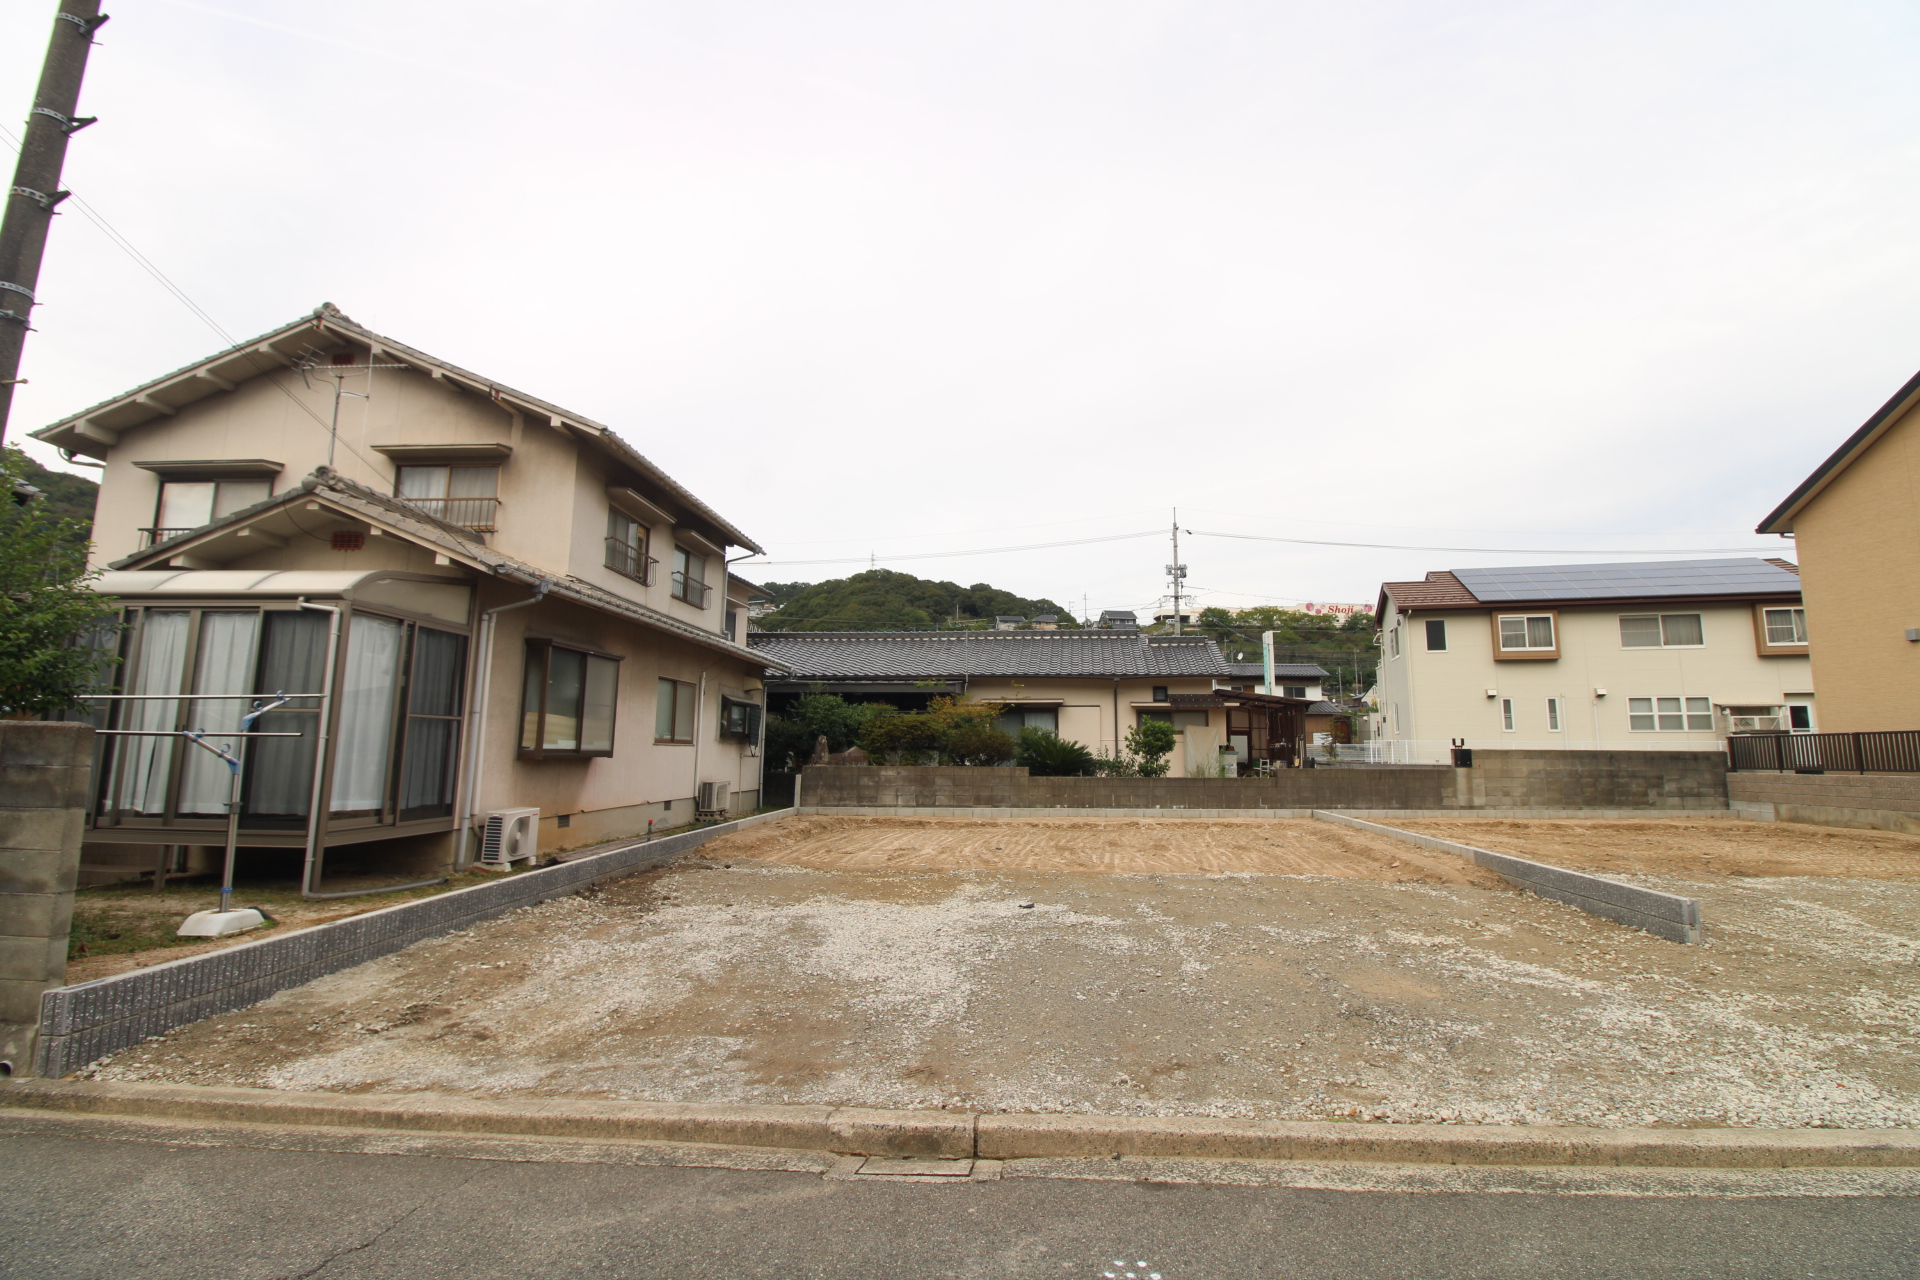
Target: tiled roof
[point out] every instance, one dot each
(1440, 590)
(868, 655)
(1281, 670)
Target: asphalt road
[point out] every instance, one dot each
(89, 1206)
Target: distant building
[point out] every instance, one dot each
(1009, 622)
(1119, 620)
(1654, 657)
(1290, 679)
(1166, 619)
(1046, 622)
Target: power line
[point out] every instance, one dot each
(978, 551)
(1525, 551)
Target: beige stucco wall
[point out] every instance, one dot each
(1859, 554)
(1087, 711)
(553, 499)
(1442, 696)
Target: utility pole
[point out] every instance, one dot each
(1176, 571)
(36, 181)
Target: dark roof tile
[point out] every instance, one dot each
(865, 655)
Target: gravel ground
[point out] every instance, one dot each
(1226, 994)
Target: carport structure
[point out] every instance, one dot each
(1265, 731)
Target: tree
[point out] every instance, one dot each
(791, 736)
(883, 600)
(51, 621)
(1151, 742)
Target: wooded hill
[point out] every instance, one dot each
(883, 600)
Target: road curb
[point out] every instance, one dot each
(959, 1135)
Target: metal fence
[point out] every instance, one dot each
(1896, 751)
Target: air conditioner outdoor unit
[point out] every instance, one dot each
(512, 835)
(712, 801)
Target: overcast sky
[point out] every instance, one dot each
(900, 278)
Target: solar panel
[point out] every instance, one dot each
(1747, 576)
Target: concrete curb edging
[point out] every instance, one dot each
(88, 1020)
(1665, 915)
(1250, 815)
(961, 1135)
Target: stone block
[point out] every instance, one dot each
(42, 787)
(21, 1001)
(46, 744)
(32, 959)
(35, 915)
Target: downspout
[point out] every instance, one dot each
(483, 685)
(1116, 716)
(699, 733)
(321, 746)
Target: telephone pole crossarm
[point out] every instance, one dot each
(35, 193)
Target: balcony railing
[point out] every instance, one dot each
(630, 561)
(150, 536)
(1896, 751)
(468, 513)
(691, 590)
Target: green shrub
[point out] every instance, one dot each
(1150, 742)
(791, 736)
(1047, 755)
(911, 738)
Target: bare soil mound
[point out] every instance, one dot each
(1286, 847)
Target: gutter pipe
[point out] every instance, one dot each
(483, 684)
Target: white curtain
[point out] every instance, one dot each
(141, 764)
(367, 693)
(227, 646)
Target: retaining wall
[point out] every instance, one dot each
(1571, 780)
(91, 1019)
(1873, 801)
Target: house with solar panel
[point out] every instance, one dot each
(1655, 656)
(1091, 686)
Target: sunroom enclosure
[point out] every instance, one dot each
(381, 662)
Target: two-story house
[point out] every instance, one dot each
(1659, 656)
(484, 601)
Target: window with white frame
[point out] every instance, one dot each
(1661, 631)
(1519, 632)
(1553, 715)
(1786, 626)
(673, 712)
(1670, 715)
(1506, 714)
(1393, 641)
(1436, 635)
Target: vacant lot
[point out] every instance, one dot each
(803, 962)
(1676, 846)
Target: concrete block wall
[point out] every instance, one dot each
(1872, 801)
(1570, 780)
(1598, 780)
(44, 775)
(941, 786)
(81, 1023)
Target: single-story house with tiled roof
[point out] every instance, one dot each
(1091, 686)
(1666, 655)
(1290, 679)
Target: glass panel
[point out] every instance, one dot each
(683, 707)
(1506, 714)
(432, 743)
(1189, 720)
(1786, 626)
(1539, 633)
(663, 710)
(473, 482)
(185, 504)
(566, 678)
(367, 695)
(293, 656)
(1640, 632)
(1553, 715)
(225, 665)
(596, 719)
(141, 764)
(1047, 718)
(1436, 636)
(530, 698)
(1700, 715)
(438, 661)
(232, 495)
(1682, 628)
(1670, 715)
(426, 776)
(1513, 633)
(422, 482)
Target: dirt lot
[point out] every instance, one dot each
(803, 962)
(1710, 849)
